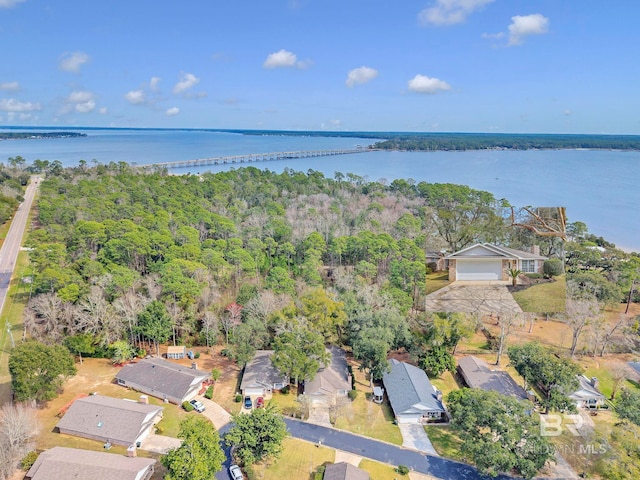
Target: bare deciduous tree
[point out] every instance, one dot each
(507, 321)
(18, 430)
(580, 311)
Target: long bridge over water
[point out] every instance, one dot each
(254, 157)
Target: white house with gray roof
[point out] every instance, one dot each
(587, 395)
(168, 381)
(477, 373)
(260, 377)
(107, 419)
(332, 380)
(62, 463)
(487, 262)
(412, 396)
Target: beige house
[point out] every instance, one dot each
(488, 262)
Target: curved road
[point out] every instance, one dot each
(13, 240)
(375, 450)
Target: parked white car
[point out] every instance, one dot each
(235, 472)
(197, 406)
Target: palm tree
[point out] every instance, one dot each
(514, 273)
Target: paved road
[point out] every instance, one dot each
(384, 452)
(11, 245)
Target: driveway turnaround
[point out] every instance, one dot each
(384, 452)
(472, 297)
(214, 412)
(160, 443)
(415, 438)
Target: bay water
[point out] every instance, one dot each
(598, 187)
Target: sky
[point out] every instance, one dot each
(511, 66)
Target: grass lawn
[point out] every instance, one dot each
(446, 443)
(379, 471)
(286, 403)
(364, 417)
(543, 298)
(299, 459)
(445, 383)
(436, 281)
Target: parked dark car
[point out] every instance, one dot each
(248, 404)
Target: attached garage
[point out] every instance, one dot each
(254, 391)
(478, 269)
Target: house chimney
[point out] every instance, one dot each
(594, 382)
(144, 399)
(131, 451)
(535, 249)
(194, 366)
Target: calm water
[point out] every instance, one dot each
(597, 187)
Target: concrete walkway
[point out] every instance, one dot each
(159, 443)
(472, 297)
(415, 438)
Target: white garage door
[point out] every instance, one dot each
(254, 391)
(479, 270)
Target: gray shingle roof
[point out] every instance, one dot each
(61, 463)
(120, 421)
(586, 391)
(409, 389)
(331, 378)
(260, 372)
(171, 379)
(477, 373)
(344, 471)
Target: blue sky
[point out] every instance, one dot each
(435, 65)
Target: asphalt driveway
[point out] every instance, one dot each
(472, 297)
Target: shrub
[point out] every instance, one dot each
(553, 267)
(353, 377)
(159, 430)
(352, 394)
(238, 398)
(196, 355)
(209, 393)
(29, 459)
(402, 469)
(432, 266)
(187, 406)
(285, 390)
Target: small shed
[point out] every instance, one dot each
(176, 353)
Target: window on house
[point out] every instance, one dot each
(528, 266)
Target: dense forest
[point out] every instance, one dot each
(484, 141)
(124, 259)
(36, 135)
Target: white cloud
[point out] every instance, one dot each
(10, 86)
(567, 113)
(172, 111)
(284, 59)
(85, 107)
(81, 101)
(103, 110)
(495, 36)
(154, 83)
(524, 25)
(9, 3)
(135, 97)
(424, 84)
(187, 81)
(13, 105)
(72, 61)
(361, 75)
(450, 12)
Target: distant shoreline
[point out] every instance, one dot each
(390, 141)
